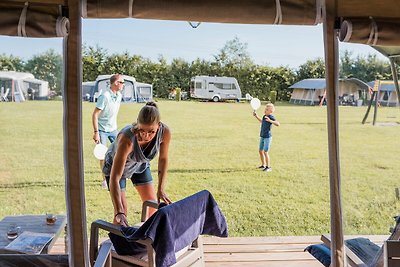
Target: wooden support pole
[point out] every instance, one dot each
(375, 107)
(395, 78)
(73, 152)
(369, 107)
(332, 81)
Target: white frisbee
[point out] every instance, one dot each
(255, 103)
(100, 151)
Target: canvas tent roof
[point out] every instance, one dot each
(14, 75)
(321, 83)
(49, 18)
(310, 84)
(386, 86)
(33, 80)
(107, 76)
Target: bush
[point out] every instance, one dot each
(178, 94)
(272, 96)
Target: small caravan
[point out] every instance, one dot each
(215, 88)
(133, 91)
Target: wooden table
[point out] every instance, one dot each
(32, 223)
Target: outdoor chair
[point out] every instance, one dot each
(170, 237)
(360, 252)
(4, 97)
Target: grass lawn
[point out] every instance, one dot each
(215, 146)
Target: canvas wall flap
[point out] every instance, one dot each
(288, 12)
(30, 20)
(370, 31)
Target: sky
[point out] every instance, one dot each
(270, 45)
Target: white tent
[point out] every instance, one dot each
(87, 88)
(20, 86)
(133, 91)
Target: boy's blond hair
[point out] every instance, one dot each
(270, 105)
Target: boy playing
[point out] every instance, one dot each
(265, 135)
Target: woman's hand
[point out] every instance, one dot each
(161, 195)
(120, 218)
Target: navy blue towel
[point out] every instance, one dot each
(177, 225)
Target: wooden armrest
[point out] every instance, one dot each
(94, 236)
(352, 259)
(104, 257)
(145, 208)
(112, 228)
(326, 239)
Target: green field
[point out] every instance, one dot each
(215, 146)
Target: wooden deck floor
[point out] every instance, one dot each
(285, 251)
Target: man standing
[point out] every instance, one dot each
(104, 118)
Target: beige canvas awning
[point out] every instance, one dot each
(32, 20)
(370, 31)
(290, 12)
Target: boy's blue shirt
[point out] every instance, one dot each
(265, 131)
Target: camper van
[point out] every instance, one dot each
(133, 91)
(215, 88)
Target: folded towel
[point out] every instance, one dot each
(175, 226)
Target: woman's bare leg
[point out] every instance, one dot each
(147, 192)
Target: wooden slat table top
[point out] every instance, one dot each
(32, 223)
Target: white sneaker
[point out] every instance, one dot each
(104, 184)
(268, 169)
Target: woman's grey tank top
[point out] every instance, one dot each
(137, 161)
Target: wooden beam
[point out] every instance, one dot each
(45, 2)
(73, 152)
(332, 81)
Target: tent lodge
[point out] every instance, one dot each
(387, 94)
(21, 86)
(352, 92)
(133, 91)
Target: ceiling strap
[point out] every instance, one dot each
(22, 21)
(278, 17)
(84, 8)
(131, 8)
(374, 27)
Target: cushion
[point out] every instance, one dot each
(364, 249)
(321, 252)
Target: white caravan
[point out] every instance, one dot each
(215, 88)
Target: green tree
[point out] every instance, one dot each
(47, 66)
(234, 54)
(366, 68)
(93, 62)
(311, 69)
(11, 63)
(120, 63)
(180, 72)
